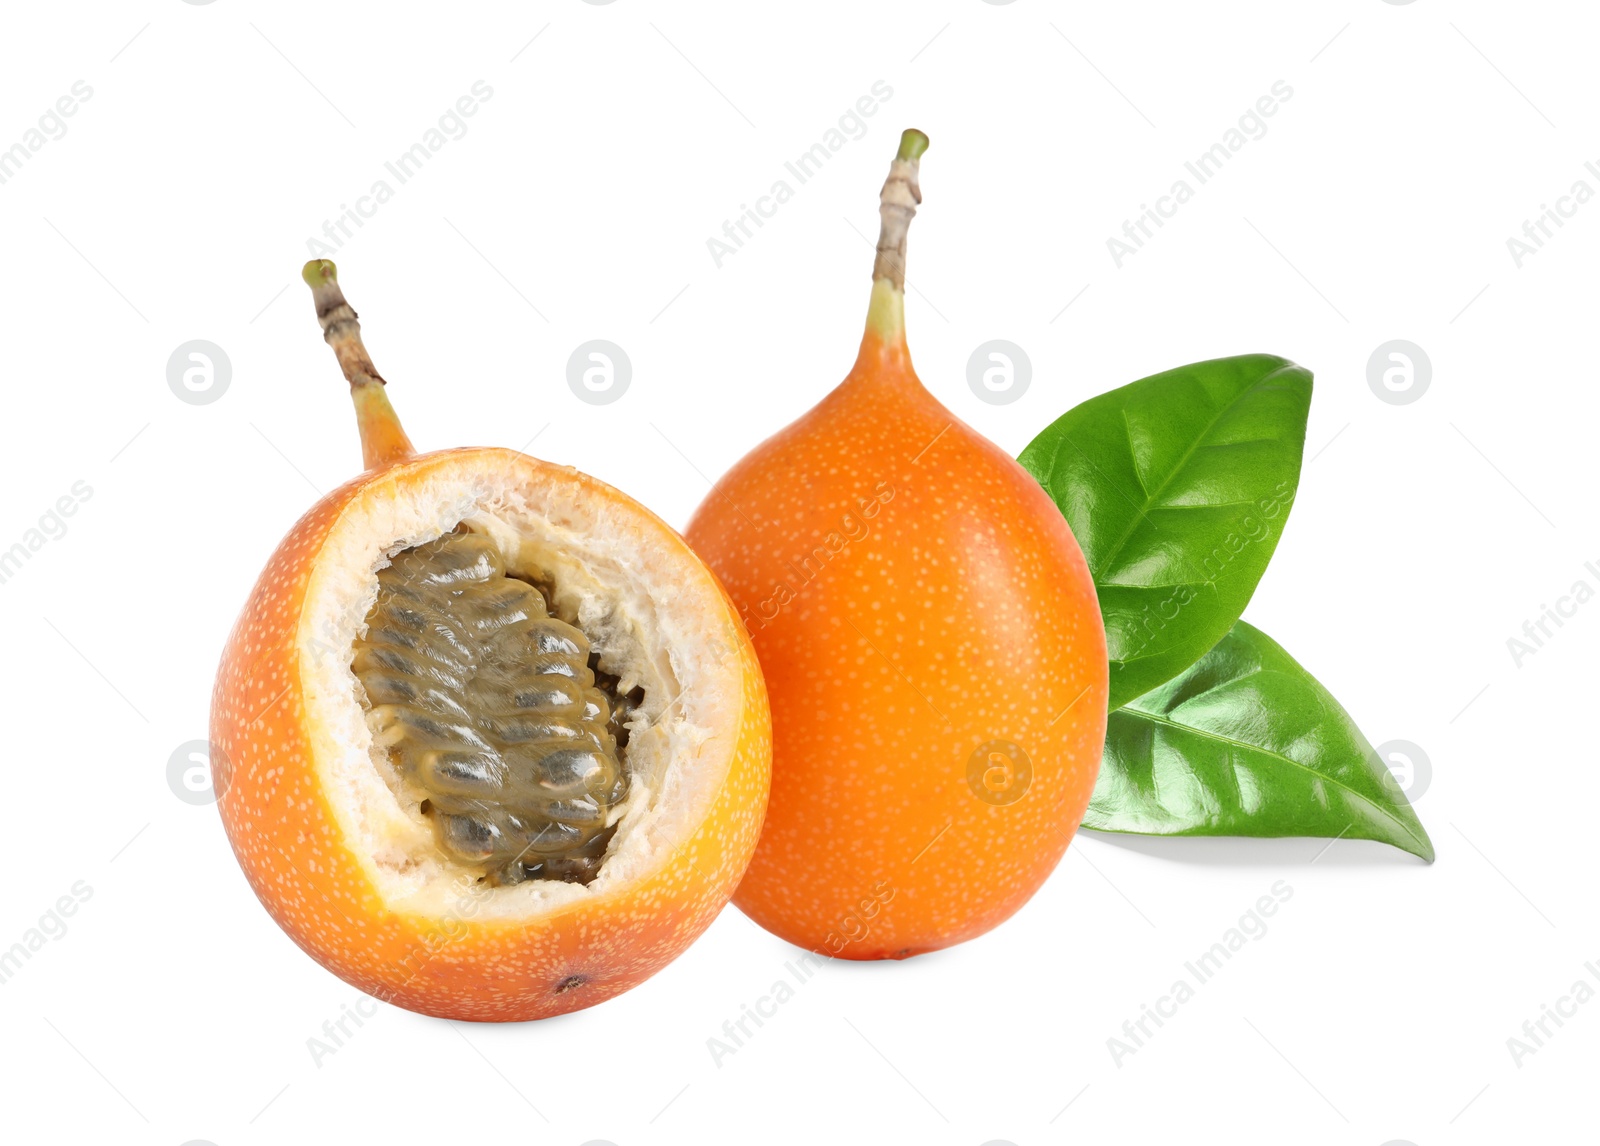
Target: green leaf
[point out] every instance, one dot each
(1247, 743)
(1177, 488)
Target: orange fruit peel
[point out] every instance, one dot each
(933, 650)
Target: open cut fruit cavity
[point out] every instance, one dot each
(643, 632)
(490, 705)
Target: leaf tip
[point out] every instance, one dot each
(1424, 850)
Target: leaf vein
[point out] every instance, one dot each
(1233, 744)
(1116, 550)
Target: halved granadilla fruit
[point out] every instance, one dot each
(490, 741)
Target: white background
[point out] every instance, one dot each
(220, 137)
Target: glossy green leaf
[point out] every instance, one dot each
(1177, 488)
(1247, 743)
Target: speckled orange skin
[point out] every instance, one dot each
(957, 611)
(283, 831)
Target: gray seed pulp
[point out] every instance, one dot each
(491, 706)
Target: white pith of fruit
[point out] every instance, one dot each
(619, 574)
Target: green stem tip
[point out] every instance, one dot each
(912, 144)
(320, 272)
